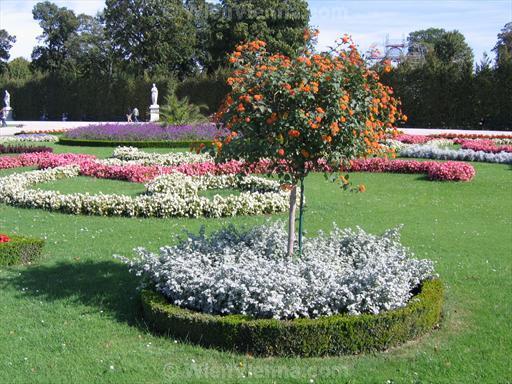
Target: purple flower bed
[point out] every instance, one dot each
(144, 132)
(23, 149)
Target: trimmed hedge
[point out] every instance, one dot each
(332, 335)
(20, 250)
(138, 144)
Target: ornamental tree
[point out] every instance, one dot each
(302, 112)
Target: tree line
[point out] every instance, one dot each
(96, 67)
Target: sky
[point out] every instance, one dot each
(368, 21)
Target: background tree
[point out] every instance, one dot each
(6, 42)
(90, 52)
(58, 25)
(154, 36)
(503, 47)
(279, 23)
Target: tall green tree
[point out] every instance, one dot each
(58, 25)
(90, 52)
(153, 36)
(280, 23)
(503, 47)
(6, 42)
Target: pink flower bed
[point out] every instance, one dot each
(449, 171)
(413, 139)
(442, 171)
(483, 145)
(41, 160)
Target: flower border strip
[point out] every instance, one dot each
(261, 196)
(331, 335)
(431, 152)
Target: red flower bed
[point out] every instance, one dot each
(4, 238)
(413, 139)
(452, 171)
(41, 160)
(447, 171)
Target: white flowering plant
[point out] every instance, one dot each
(248, 272)
(172, 195)
(165, 159)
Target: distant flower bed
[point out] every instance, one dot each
(41, 160)
(432, 152)
(23, 149)
(483, 145)
(41, 131)
(468, 136)
(143, 132)
(413, 139)
(448, 171)
(29, 137)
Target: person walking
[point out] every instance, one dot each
(129, 115)
(3, 115)
(135, 113)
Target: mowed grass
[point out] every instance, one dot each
(75, 316)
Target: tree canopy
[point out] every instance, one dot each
(152, 35)
(6, 42)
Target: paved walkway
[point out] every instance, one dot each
(19, 126)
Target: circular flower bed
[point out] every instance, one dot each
(350, 291)
(173, 195)
(19, 249)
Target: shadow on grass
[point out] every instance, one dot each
(106, 285)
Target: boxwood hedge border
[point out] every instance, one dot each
(21, 250)
(127, 143)
(332, 335)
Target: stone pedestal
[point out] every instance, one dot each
(8, 113)
(154, 113)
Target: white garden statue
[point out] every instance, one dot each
(154, 108)
(154, 95)
(7, 99)
(7, 110)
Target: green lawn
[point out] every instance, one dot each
(75, 317)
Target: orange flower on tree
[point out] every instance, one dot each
(288, 111)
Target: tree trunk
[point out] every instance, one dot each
(291, 220)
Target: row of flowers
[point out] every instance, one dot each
(434, 152)
(135, 172)
(30, 137)
(483, 145)
(441, 171)
(145, 132)
(42, 160)
(23, 148)
(175, 195)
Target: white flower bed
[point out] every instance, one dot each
(236, 272)
(432, 152)
(166, 159)
(173, 195)
(31, 137)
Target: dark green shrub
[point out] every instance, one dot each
(20, 250)
(180, 111)
(138, 144)
(333, 335)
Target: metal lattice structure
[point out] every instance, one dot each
(396, 50)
